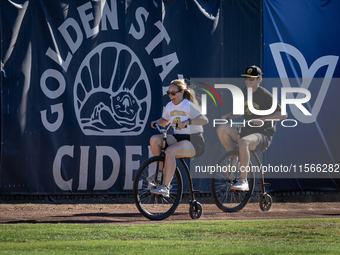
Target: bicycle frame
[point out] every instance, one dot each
(151, 202)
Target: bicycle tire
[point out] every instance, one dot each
(266, 202)
(155, 207)
(221, 182)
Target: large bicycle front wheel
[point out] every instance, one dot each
(221, 183)
(156, 207)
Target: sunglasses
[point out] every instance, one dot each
(250, 79)
(172, 92)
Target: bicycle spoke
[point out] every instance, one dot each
(151, 205)
(221, 185)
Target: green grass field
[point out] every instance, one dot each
(293, 236)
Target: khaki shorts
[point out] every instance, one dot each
(263, 140)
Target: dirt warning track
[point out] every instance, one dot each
(120, 213)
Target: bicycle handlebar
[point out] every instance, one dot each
(240, 125)
(166, 128)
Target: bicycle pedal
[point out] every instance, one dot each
(194, 191)
(152, 184)
(266, 184)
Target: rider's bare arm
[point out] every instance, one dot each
(274, 116)
(230, 115)
(160, 122)
(199, 120)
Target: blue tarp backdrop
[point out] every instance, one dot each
(301, 49)
(82, 80)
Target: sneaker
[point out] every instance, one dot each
(151, 180)
(241, 186)
(161, 190)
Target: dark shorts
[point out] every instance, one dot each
(263, 140)
(196, 140)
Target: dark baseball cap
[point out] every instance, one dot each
(252, 72)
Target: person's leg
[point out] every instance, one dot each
(177, 150)
(246, 144)
(252, 142)
(182, 149)
(227, 135)
(156, 148)
(156, 143)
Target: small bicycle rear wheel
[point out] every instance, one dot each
(224, 178)
(266, 202)
(155, 207)
(195, 210)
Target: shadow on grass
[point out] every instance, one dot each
(85, 218)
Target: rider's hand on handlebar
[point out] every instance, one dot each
(226, 117)
(256, 123)
(182, 125)
(153, 124)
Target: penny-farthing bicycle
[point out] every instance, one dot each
(221, 183)
(159, 207)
